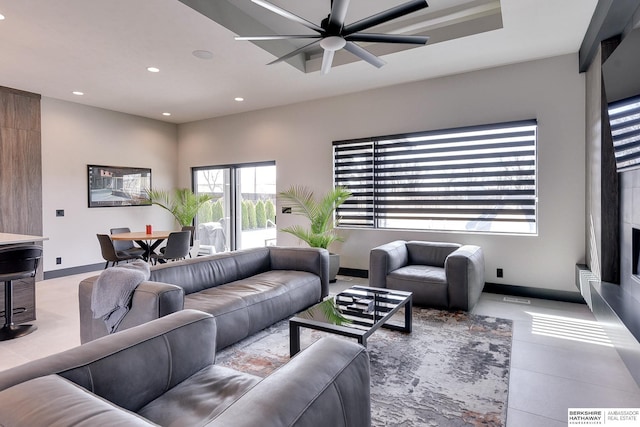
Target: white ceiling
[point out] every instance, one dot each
(103, 47)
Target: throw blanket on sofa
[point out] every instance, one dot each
(113, 289)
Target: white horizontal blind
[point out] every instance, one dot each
(479, 178)
(353, 169)
(624, 118)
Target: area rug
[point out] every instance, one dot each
(452, 370)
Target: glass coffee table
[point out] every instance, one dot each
(356, 312)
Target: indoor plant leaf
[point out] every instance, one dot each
(182, 203)
(320, 214)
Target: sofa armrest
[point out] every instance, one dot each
(54, 401)
(308, 391)
(312, 260)
(133, 367)
(465, 276)
(150, 300)
(384, 259)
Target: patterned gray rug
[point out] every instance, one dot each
(452, 370)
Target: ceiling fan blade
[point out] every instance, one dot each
(256, 38)
(387, 38)
(296, 52)
(338, 14)
(327, 60)
(364, 54)
(387, 15)
(288, 15)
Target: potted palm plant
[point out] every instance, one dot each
(183, 203)
(320, 213)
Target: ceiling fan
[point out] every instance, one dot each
(333, 35)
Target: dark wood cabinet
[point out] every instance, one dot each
(20, 163)
(20, 184)
(24, 300)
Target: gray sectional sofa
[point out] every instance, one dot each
(163, 373)
(246, 290)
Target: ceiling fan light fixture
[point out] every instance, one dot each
(332, 43)
(334, 35)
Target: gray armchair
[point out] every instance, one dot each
(440, 275)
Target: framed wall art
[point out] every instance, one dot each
(111, 186)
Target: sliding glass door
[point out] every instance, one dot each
(241, 213)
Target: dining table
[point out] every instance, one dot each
(147, 241)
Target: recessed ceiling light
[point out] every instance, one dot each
(166, 114)
(77, 92)
(153, 69)
(1, 17)
(239, 99)
(202, 54)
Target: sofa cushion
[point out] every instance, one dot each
(430, 253)
(63, 404)
(196, 274)
(428, 284)
(200, 398)
(249, 305)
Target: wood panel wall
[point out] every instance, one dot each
(20, 163)
(610, 193)
(21, 183)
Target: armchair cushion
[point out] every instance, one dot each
(429, 253)
(425, 282)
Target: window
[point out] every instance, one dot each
(480, 178)
(624, 118)
(242, 211)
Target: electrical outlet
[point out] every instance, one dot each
(59, 260)
(59, 212)
(499, 273)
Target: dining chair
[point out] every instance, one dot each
(192, 229)
(177, 247)
(109, 252)
(126, 246)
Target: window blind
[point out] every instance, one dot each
(479, 178)
(353, 169)
(624, 118)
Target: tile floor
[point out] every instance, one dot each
(560, 358)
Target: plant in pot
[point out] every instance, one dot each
(183, 203)
(320, 213)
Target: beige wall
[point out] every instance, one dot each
(298, 137)
(74, 136)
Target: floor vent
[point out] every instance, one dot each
(517, 300)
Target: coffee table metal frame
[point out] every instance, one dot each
(361, 334)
